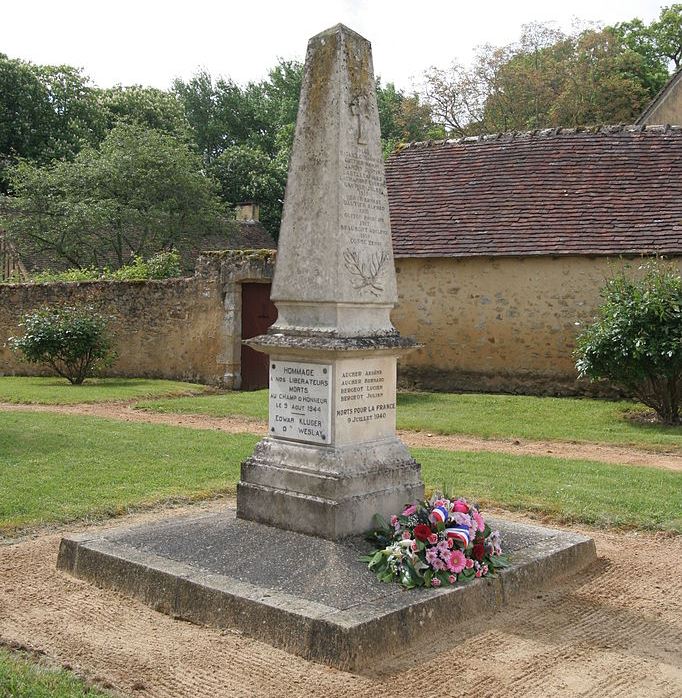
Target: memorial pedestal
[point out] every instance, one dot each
(332, 459)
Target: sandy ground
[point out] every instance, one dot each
(595, 452)
(614, 630)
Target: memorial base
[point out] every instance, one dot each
(306, 595)
(326, 491)
(332, 459)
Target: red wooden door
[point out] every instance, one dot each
(258, 313)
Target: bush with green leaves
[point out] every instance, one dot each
(73, 340)
(164, 265)
(75, 274)
(636, 340)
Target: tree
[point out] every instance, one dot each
(456, 97)
(636, 341)
(246, 173)
(73, 341)
(546, 79)
(46, 112)
(245, 133)
(140, 192)
(403, 118)
(604, 83)
(659, 43)
(145, 106)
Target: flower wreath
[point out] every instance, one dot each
(436, 542)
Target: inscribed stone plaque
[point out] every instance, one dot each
(300, 401)
(364, 399)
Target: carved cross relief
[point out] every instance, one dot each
(359, 108)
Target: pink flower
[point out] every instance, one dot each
(414, 546)
(431, 555)
(433, 538)
(457, 561)
(435, 582)
(394, 520)
(462, 519)
(461, 506)
(480, 523)
(484, 570)
(478, 573)
(452, 579)
(406, 535)
(469, 563)
(443, 548)
(409, 510)
(450, 543)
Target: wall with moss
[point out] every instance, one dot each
(176, 328)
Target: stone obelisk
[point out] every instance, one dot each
(332, 458)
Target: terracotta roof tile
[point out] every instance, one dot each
(612, 190)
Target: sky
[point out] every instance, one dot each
(151, 42)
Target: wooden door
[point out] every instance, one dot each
(258, 313)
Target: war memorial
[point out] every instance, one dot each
(285, 566)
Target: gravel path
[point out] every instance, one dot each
(596, 452)
(614, 630)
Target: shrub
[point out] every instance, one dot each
(73, 341)
(75, 274)
(636, 341)
(163, 265)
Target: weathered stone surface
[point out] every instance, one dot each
(309, 596)
(329, 491)
(335, 270)
(332, 459)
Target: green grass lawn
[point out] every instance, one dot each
(22, 678)
(488, 416)
(56, 468)
(58, 391)
(252, 404)
(598, 494)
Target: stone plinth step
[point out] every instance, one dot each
(309, 596)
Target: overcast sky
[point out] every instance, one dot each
(151, 42)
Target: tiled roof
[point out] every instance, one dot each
(606, 191)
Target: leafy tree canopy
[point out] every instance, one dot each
(549, 78)
(145, 106)
(660, 43)
(46, 113)
(140, 192)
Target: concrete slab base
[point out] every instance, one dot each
(306, 595)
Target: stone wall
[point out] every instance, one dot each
(487, 324)
(497, 324)
(667, 107)
(177, 328)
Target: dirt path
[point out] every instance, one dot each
(615, 630)
(557, 449)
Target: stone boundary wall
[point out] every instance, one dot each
(486, 324)
(176, 328)
(500, 324)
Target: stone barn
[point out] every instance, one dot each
(666, 107)
(502, 243)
